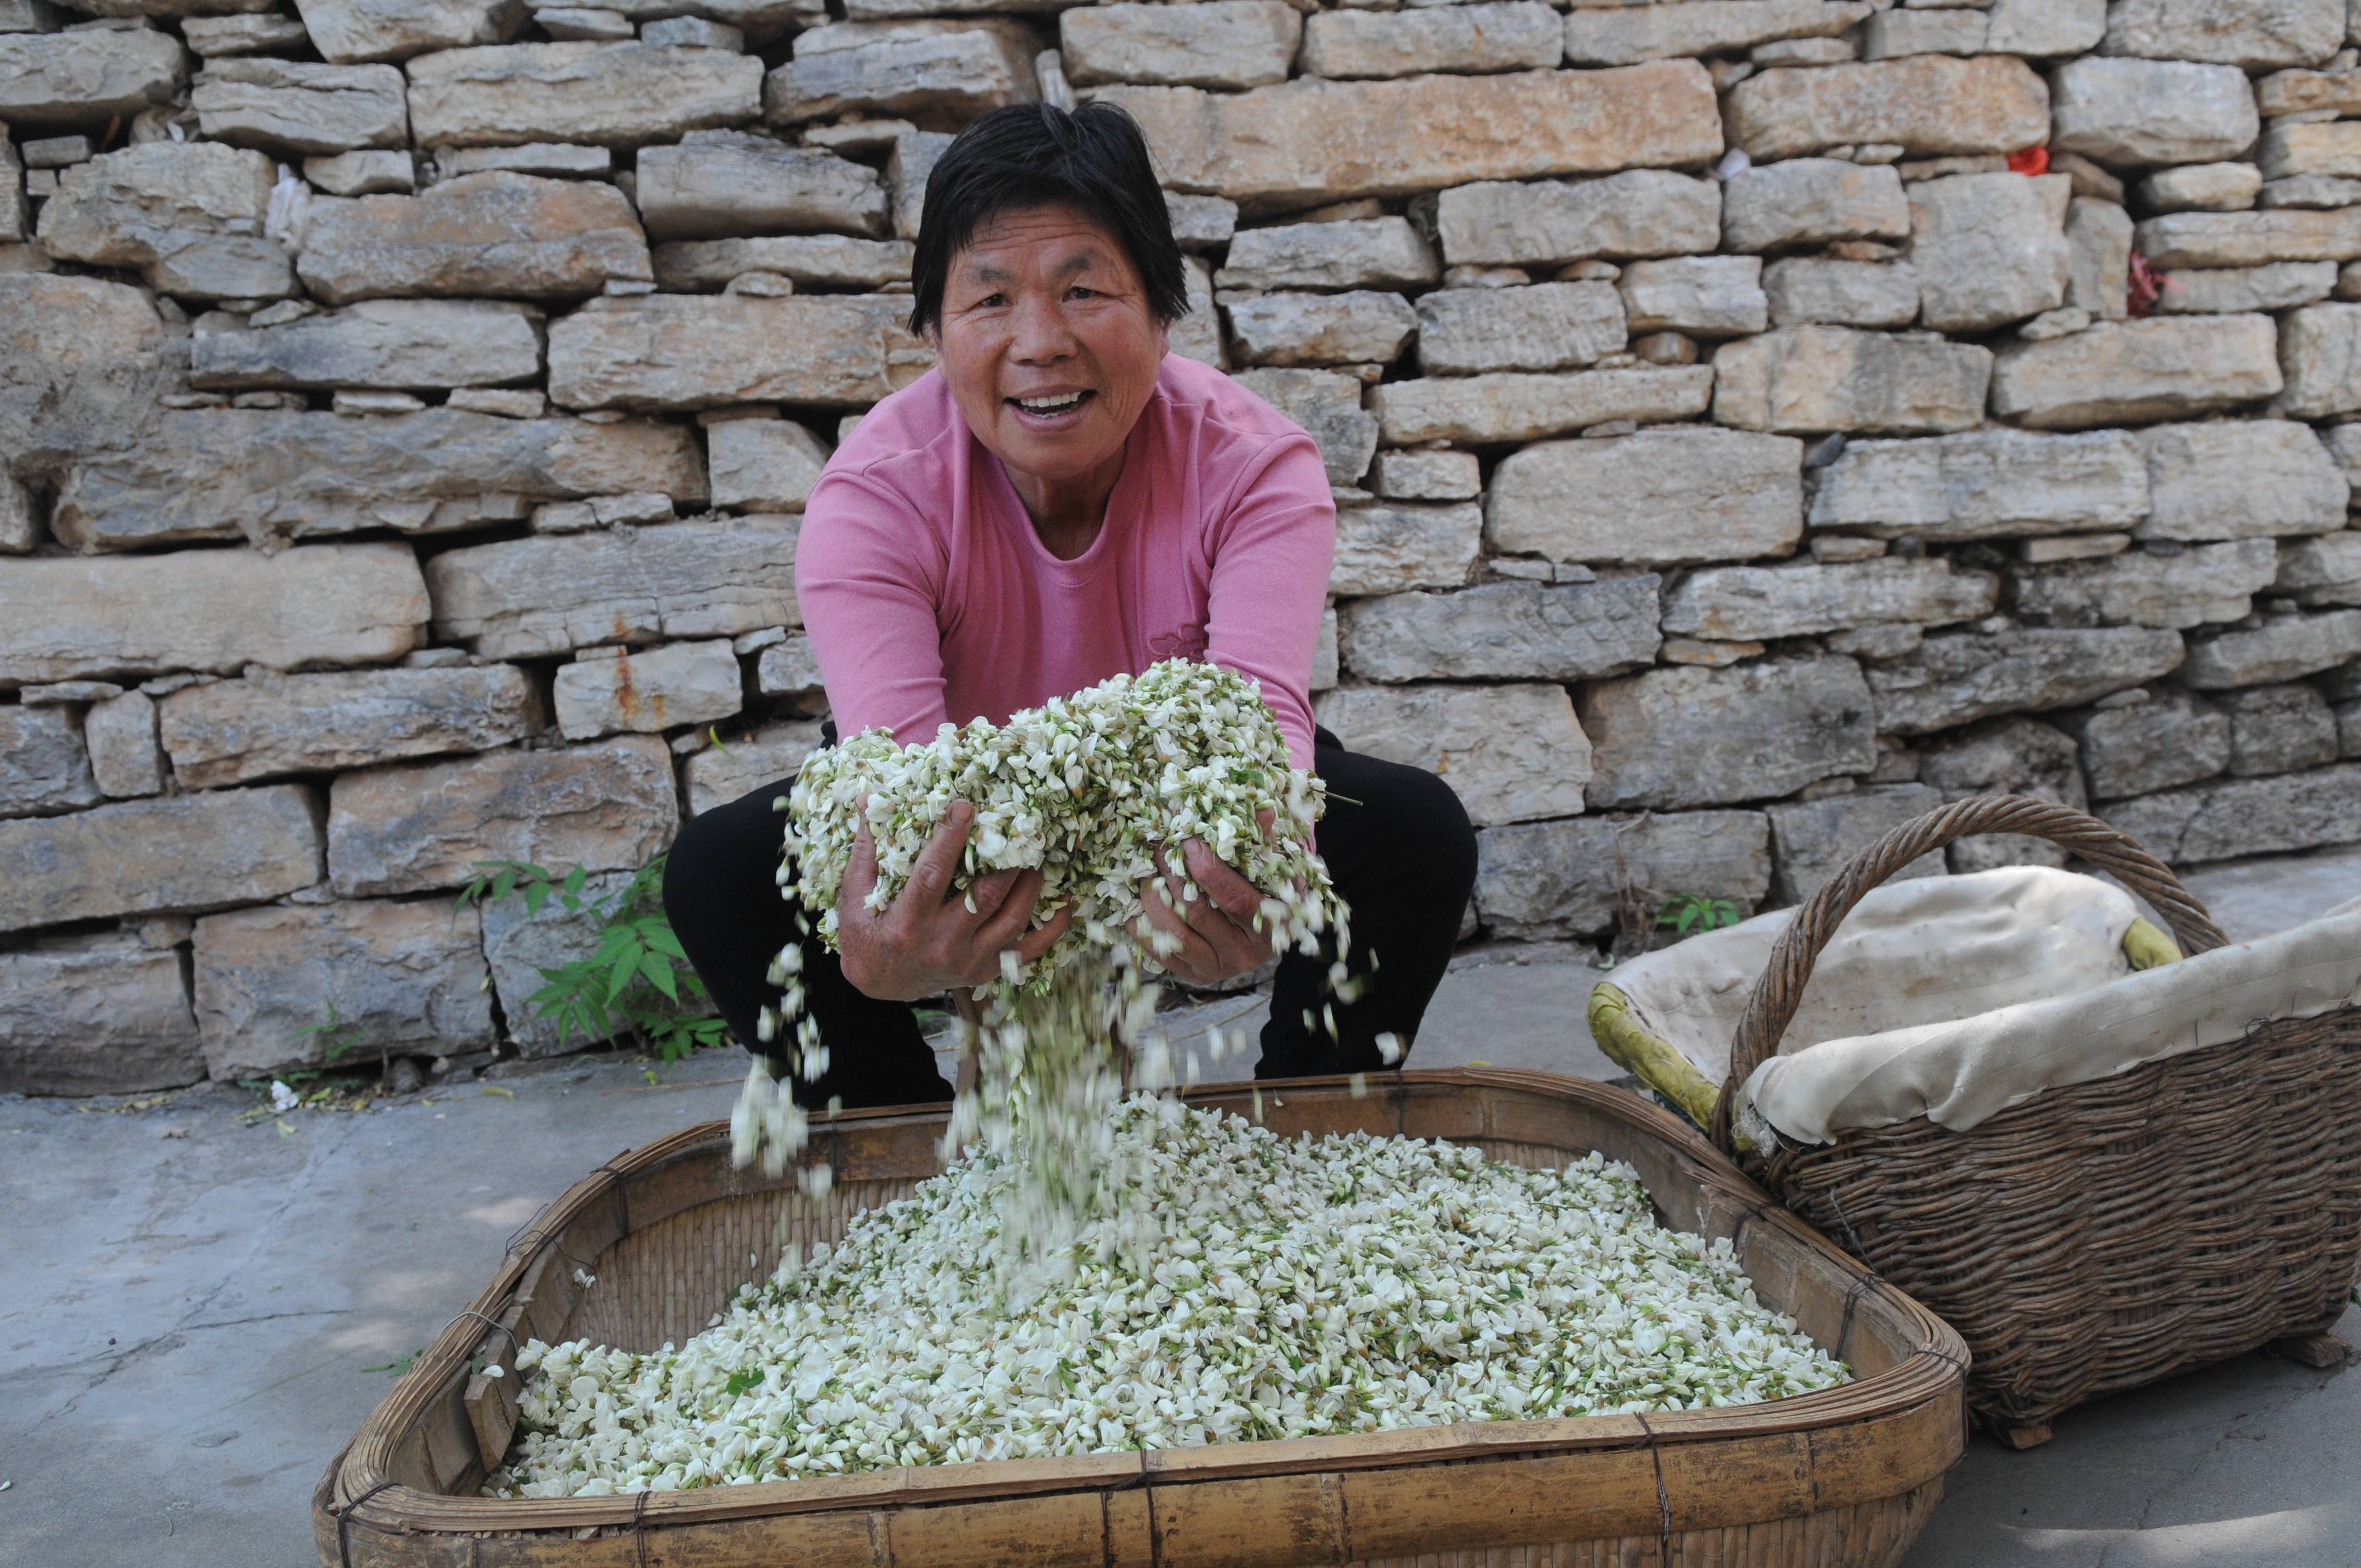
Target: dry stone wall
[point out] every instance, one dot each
(1752, 422)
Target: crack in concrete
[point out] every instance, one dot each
(264, 1235)
(2268, 1402)
(267, 1318)
(114, 1364)
(276, 1383)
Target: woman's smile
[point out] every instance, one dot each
(1048, 413)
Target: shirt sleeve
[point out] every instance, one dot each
(1272, 549)
(869, 575)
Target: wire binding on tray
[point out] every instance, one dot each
(531, 1230)
(1853, 1302)
(1738, 1233)
(343, 1517)
(1664, 1500)
(532, 1236)
(1946, 1357)
(1844, 1223)
(491, 1323)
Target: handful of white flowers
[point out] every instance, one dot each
(1089, 789)
(1349, 1284)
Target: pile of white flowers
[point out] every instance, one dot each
(1087, 789)
(1351, 1284)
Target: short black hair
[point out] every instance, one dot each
(1036, 155)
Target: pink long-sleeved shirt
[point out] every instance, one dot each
(929, 596)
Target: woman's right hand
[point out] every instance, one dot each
(928, 940)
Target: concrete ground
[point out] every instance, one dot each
(198, 1304)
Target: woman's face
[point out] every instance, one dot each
(1047, 342)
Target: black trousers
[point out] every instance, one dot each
(1396, 839)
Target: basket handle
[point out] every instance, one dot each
(1771, 1004)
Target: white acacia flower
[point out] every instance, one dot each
(1294, 1287)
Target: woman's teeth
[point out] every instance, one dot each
(1058, 404)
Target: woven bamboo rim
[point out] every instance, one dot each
(1773, 1003)
(1842, 1476)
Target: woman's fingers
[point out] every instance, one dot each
(1172, 893)
(1003, 920)
(1235, 949)
(936, 933)
(859, 874)
(990, 892)
(983, 964)
(1232, 904)
(1036, 943)
(1232, 893)
(930, 876)
(1187, 953)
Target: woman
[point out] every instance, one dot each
(1058, 501)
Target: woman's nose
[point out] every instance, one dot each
(1041, 333)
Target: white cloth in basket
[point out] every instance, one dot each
(1956, 997)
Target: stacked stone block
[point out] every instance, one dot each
(1752, 422)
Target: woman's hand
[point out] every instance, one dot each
(926, 940)
(1216, 929)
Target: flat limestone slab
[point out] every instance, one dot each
(197, 851)
(1536, 880)
(1680, 736)
(64, 80)
(292, 474)
(1504, 630)
(238, 731)
(1334, 141)
(603, 95)
(383, 344)
(215, 610)
(552, 593)
(95, 1015)
(1512, 753)
(407, 975)
(422, 827)
(703, 351)
(1511, 405)
(494, 233)
(1929, 104)
(1656, 498)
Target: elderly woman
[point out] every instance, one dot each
(1058, 500)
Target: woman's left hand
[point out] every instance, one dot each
(1216, 929)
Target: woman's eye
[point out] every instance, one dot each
(1079, 292)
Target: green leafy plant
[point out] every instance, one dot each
(399, 1367)
(335, 1037)
(1685, 912)
(636, 982)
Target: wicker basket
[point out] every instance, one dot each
(2103, 1235)
(1841, 1478)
